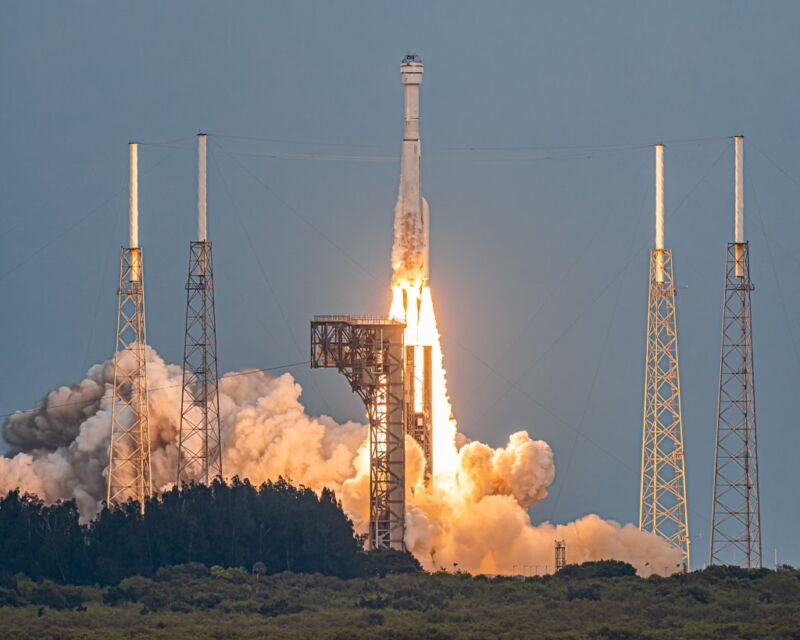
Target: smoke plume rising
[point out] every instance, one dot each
(480, 522)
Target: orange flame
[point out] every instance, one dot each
(413, 304)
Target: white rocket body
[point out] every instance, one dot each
(411, 207)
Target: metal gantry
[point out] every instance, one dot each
(368, 351)
(662, 497)
(199, 440)
(561, 554)
(735, 512)
(129, 475)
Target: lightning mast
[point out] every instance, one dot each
(662, 498)
(735, 510)
(129, 476)
(199, 441)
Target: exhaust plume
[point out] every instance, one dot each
(479, 519)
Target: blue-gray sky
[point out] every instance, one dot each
(539, 254)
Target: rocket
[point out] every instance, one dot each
(411, 255)
(410, 260)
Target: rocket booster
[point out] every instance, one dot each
(410, 262)
(411, 255)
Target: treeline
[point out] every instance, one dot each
(282, 527)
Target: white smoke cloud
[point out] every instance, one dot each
(60, 451)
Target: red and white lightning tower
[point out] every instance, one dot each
(735, 511)
(129, 476)
(662, 497)
(199, 441)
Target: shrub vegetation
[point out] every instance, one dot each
(200, 603)
(279, 562)
(284, 528)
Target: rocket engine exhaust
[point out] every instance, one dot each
(410, 262)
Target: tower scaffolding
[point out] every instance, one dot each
(199, 440)
(368, 351)
(561, 554)
(662, 498)
(735, 510)
(129, 473)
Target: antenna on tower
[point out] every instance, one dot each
(129, 476)
(199, 441)
(662, 497)
(735, 510)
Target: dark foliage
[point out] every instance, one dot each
(389, 562)
(194, 603)
(56, 596)
(21, 591)
(42, 541)
(276, 527)
(600, 569)
(581, 592)
(732, 572)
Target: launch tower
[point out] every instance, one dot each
(561, 555)
(368, 351)
(662, 497)
(199, 442)
(735, 511)
(129, 447)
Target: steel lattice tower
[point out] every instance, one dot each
(662, 499)
(129, 475)
(735, 511)
(369, 352)
(199, 440)
(561, 555)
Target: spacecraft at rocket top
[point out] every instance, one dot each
(410, 256)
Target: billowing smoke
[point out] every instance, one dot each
(480, 523)
(60, 450)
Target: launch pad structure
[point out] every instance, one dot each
(561, 555)
(199, 439)
(662, 497)
(368, 351)
(384, 359)
(129, 473)
(735, 511)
